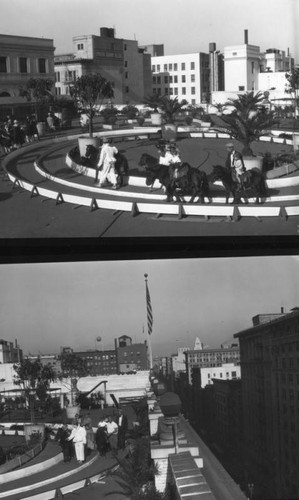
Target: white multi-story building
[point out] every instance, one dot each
(227, 371)
(179, 361)
(241, 67)
(185, 76)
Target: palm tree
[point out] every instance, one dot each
(153, 101)
(90, 91)
(170, 107)
(248, 121)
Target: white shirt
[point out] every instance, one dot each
(112, 427)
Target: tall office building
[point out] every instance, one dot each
(269, 354)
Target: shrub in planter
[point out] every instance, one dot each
(189, 119)
(108, 114)
(130, 111)
(140, 119)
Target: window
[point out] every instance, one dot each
(125, 46)
(184, 90)
(23, 65)
(192, 90)
(241, 87)
(183, 78)
(171, 91)
(80, 46)
(165, 67)
(166, 91)
(176, 91)
(126, 74)
(165, 79)
(170, 67)
(235, 53)
(175, 79)
(252, 66)
(159, 80)
(158, 68)
(3, 65)
(57, 76)
(175, 67)
(193, 102)
(127, 90)
(192, 78)
(42, 65)
(183, 66)
(126, 64)
(154, 79)
(192, 66)
(154, 69)
(170, 79)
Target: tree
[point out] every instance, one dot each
(293, 87)
(34, 379)
(90, 91)
(38, 90)
(170, 107)
(249, 119)
(153, 101)
(73, 367)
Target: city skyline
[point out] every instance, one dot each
(47, 306)
(182, 26)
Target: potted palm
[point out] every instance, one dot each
(170, 108)
(153, 101)
(89, 92)
(72, 368)
(249, 120)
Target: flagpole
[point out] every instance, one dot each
(149, 321)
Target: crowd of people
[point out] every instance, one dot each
(79, 440)
(13, 134)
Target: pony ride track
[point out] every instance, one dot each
(45, 192)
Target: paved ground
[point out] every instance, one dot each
(31, 226)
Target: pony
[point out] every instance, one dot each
(189, 181)
(254, 180)
(220, 173)
(121, 165)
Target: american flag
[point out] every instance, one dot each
(150, 319)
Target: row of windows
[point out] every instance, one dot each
(175, 91)
(172, 79)
(171, 67)
(23, 65)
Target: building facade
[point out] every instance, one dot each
(10, 352)
(185, 76)
(99, 362)
(22, 58)
(211, 358)
(269, 353)
(120, 61)
(131, 357)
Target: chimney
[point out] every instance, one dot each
(246, 37)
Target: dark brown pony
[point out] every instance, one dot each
(220, 173)
(193, 182)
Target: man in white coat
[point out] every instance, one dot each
(78, 436)
(107, 163)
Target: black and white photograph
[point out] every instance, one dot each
(150, 379)
(134, 118)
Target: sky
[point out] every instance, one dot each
(181, 25)
(49, 305)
